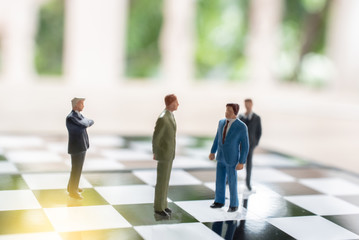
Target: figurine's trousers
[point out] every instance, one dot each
(222, 173)
(164, 168)
(77, 161)
(249, 167)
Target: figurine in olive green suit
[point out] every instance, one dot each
(163, 147)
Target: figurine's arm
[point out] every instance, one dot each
(215, 144)
(258, 130)
(243, 145)
(157, 135)
(85, 122)
(214, 147)
(90, 121)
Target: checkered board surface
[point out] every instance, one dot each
(293, 199)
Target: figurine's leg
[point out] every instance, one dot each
(249, 169)
(220, 183)
(167, 181)
(232, 182)
(77, 161)
(160, 189)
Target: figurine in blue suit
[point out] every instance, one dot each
(231, 145)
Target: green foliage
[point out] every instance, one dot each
(313, 6)
(143, 30)
(222, 28)
(49, 38)
(292, 24)
(303, 41)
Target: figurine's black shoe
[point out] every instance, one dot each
(217, 205)
(161, 218)
(162, 213)
(76, 196)
(168, 210)
(232, 209)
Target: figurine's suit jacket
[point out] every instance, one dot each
(76, 126)
(254, 129)
(235, 147)
(163, 147)
(164, 137)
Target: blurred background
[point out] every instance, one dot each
(297, 60)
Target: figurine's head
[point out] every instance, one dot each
(78, 104)
(171, 102)
(232, 110)
(248, 104)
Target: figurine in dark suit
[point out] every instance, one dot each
(78, 144)
(163, 147)
(231, 146)
(253, 122)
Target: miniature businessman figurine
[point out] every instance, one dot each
(231, 145)
(163, 147)
(253, 122)
(78, 144)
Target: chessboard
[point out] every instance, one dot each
(292, 198)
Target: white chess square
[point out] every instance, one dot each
(265, 159)
(127, 155)
(59, 147)
(201, 153)
(32, 236)
(177, 232)
(83, 218)
(107, 141)
(270, 175)
(243, 192)
(8, 167)
(324, 204)
(100, 164)
(202, 212)
(211, 185)
(18, 142)
(332, 186)
(192, 162)
(127, 194)
(143, 146)
(311, 228)
(18, 200)
(51, 181)
(178, 177)
(185, 141)
(32, 156)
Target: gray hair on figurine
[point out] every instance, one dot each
(75, 100)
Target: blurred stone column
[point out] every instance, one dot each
(95, 41)
(263, 42)
(177, 41)
(18, 40)
(343, 43)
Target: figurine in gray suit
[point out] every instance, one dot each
(253, 122)
(78, 144)
(164, 148)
